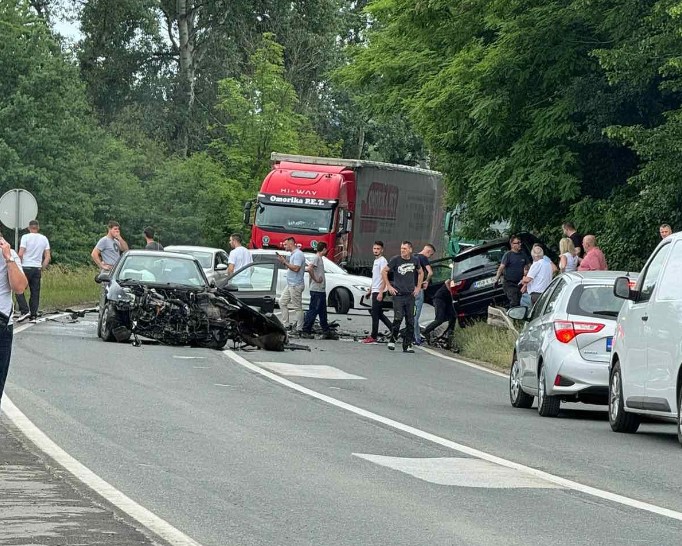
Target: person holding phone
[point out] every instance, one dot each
(292, 296)
(12, 279)
(108, 249)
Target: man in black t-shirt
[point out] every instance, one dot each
(511, 267)
(408, 277)
(575, 237)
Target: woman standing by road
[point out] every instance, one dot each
(568, 261)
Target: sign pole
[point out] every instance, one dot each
(16, 227)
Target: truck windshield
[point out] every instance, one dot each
(294, 219)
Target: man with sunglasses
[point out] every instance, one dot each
(511, 268)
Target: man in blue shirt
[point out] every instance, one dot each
(292, 296)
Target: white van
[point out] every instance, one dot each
(645, 373)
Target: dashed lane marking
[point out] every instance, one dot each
(460, 472)
(314, 371)
(557, 480)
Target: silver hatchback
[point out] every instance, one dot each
(563, 351)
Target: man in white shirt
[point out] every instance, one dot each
(239, 256)
(376, 291)
(34, 253)
(539, 275)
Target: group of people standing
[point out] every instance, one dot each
(525, 279)
(405, 277)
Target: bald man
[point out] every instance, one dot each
(594, 259)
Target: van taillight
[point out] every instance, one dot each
(565, 330)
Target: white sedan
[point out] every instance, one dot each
(344, 291)
(213, 260)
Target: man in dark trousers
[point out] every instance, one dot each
(408, 277)
(511, 267)
(445, 311)
(35, 255)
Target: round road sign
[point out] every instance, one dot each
(17, 209)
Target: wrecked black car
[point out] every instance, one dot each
(166, 297)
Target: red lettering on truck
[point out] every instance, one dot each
(381, 202)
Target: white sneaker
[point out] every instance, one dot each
(23, 317)
(391, 346)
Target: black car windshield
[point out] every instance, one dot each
(294, 219)
(492, 256)
(155, 270)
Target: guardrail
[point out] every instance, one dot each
(497, 316)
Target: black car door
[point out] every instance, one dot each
(255, 284)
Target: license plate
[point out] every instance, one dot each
(484, 283)
(609, 344)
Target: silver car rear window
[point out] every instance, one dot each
(594, 301)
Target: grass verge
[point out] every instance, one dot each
(63, 287)
(486, 343)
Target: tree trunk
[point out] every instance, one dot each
(361, 142)
(187, 70)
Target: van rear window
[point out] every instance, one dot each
(594, 301)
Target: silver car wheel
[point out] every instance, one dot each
(514, 381)
(614, 401)
(541, 386)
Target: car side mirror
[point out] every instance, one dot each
(102, 277)
(221, 267)
(230, 287)
(621, 289)
(518, 313)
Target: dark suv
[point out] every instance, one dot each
(474, 270)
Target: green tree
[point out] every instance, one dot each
(261, 117)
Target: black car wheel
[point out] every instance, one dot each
(341, 300)
(112, 321)
(548, 406)
(619, 419)
(517, 397)
(107, 323)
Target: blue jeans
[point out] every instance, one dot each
(418, 304)
(318, 307)
(5, 354)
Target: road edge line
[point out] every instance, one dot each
(158, 526)
(464, 362)
(563, 482)
(139, 513)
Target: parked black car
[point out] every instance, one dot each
(474, 270)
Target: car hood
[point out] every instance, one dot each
(350, 279)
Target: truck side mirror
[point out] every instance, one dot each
(247, 213)
(449, 218)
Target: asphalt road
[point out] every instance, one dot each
(229, 455)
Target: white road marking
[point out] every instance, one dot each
(201, 367)
(314, 371)
(220, 385)
(140, 514)
(464, 362)
(562, 482)
(182, 357)
(460, 472)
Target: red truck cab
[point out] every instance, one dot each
(310, 202)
